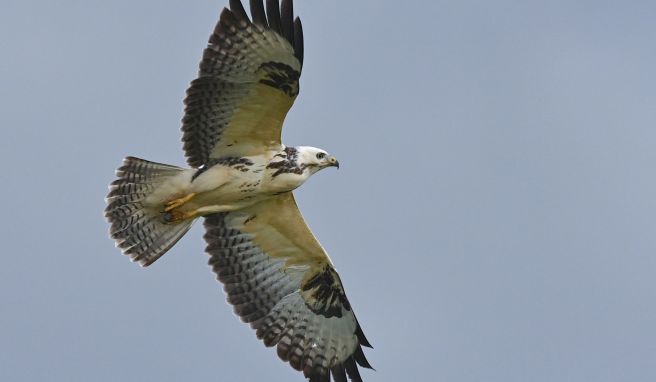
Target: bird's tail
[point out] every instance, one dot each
(138, 228)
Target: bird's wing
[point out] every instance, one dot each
(247, 82)
(281, 281)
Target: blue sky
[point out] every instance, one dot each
(492, 219)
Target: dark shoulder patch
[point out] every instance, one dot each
(288, 164)
(324, 295)
(292, 153)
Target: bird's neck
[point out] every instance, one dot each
(285, 172)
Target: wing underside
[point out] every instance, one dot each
(275, 273)
(247, 82)
(282, 283)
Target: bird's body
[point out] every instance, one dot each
(234, 183)
(276, 274)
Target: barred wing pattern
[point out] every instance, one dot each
(281, 281)
(248, 81)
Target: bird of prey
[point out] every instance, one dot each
(275, 273)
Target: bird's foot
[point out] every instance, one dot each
(176, 216)
(175, 203)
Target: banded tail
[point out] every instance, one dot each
(140, 230)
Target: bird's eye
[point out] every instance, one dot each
(321, 155)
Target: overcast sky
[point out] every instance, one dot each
(493, 218)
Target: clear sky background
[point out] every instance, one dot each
(493, 218)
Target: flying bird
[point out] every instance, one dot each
(275, 273)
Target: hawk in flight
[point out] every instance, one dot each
(275, 273)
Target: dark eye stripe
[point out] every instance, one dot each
(320, 155)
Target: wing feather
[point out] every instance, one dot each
(247, 82)
(287, 20)
(280, 280)
(238, 9)
(298, 39)
(257, 12)
(273, 15)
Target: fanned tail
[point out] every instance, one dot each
(140, 230)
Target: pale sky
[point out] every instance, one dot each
(493, 218)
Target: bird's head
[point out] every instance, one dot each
(315, 159)
(294, 165)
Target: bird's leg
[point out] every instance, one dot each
(175, 203)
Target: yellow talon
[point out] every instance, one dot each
(175, 203)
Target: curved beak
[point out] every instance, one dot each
(333, 162)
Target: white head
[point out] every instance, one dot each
(314, 159)
(293, 165)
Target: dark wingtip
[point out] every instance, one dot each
(278, 17)
(352, 370)
(287, 20)
(227, 18)
(339, 374)
(257, 13)
(361, 359)
(298, 40)
(238, 9)
(273, 15)
(360, 334)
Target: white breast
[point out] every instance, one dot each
(283, 182)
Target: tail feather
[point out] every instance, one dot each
(138, 229)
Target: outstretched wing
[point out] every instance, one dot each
(247, 83)
(281, 281)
